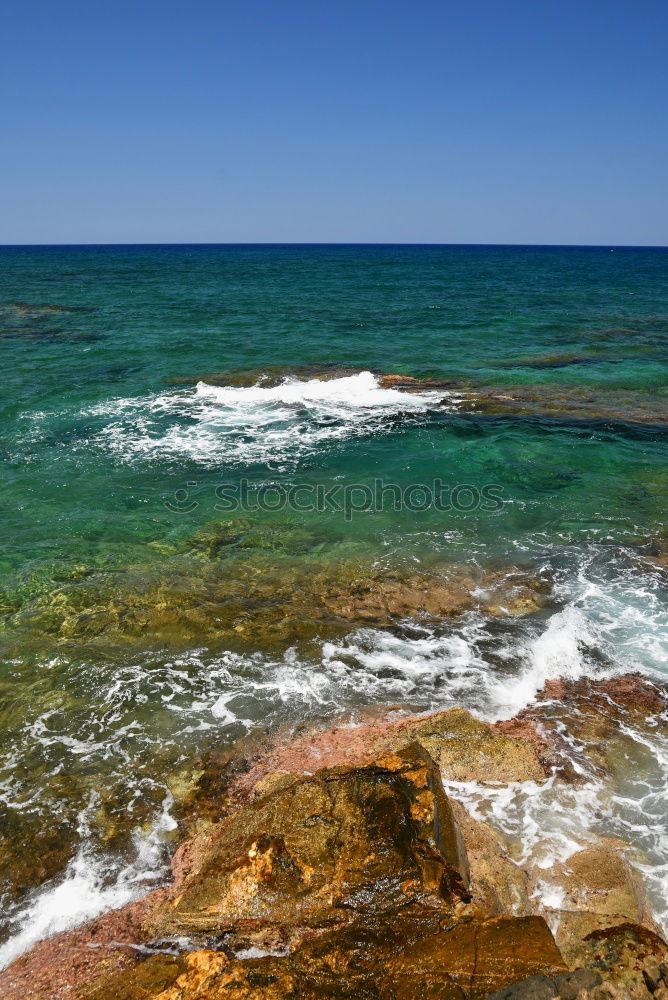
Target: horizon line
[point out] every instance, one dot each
(339, 243)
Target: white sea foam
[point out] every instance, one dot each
(277, 424)
(90, 886)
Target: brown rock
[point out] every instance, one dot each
(317, 850)
(465, 749)
(469, 750)
(622, 954)
(337, 860)
(356, 876)
(465, 961)
(479, 957)
(601, 889)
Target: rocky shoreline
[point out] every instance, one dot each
(344, 862)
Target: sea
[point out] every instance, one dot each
(180, 419)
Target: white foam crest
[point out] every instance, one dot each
(542, 822)
(90, 886)
(359, 391)
(559, 651)
(430, 670)
(242, 425)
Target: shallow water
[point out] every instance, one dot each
(111, 468)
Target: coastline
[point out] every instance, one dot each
(357, 858)
(170, 663)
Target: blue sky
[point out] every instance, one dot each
(491, 121)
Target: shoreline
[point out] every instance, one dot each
(242, 878)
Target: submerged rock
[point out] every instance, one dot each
(258, 597)
(21, 319)
(602, 720)
(572, 404)
(217, 539)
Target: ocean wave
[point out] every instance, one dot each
(91, 885)
(278, 425)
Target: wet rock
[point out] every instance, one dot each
(322, 849)
(599, 717)
(627, 955)
(354, 881)
(55, 968)
(461, 962)
(470, 750)
(477, 957)
(334, 865)
(409, 384)
(653, 975)
(465, 749)
(269, 376)
(655, 552)
(568, 986)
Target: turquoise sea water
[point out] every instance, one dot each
(115, 441)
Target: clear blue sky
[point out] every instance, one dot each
(334, 120)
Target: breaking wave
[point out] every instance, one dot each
(278, 425)
(91, 885)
